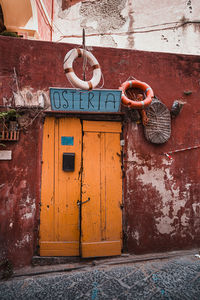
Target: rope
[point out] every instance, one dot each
(180, 150)
(131, 95)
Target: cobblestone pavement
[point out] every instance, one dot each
(174, 278)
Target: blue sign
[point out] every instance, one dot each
(67, 140)
(85, 101)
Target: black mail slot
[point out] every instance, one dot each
(68, 162)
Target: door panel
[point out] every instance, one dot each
(59, 219)
(101, 126)
(102, 186)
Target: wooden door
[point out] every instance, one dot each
(101, 189)
(60, 191)
(92, 228)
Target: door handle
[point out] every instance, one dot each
(80, 203)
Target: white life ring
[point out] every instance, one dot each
(71, 76)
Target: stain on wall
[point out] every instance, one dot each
(189, 5)
(104, 16)
(68, 3)
(19, 197)
(130, 26)
(107, 14)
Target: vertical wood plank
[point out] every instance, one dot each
(69, 182)
(47, 215)
(103, 197)
(91, 188)
(56, 179)
(113, 186)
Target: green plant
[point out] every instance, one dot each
(10, 115)
(9, 33)
(6, 119)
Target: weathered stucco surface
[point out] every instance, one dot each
(171, 26)
(19, 197)
(161, 196)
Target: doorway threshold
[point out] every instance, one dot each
(92, 263)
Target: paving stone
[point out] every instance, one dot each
(101, 296)
(73, 293)
(134, 277)
(28, 290)
(191, 288)
(92, 276)
(5, 292)
(120, 272)
(85, 297)
(112, 288)
(143, 289)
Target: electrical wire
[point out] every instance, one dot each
(132, 31)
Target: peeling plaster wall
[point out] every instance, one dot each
(19, 197)
(162, 201)
(161, 196)
(143, 25)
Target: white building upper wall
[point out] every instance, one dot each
(163, 26)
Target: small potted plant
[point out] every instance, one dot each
(8, 124)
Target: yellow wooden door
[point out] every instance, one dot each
(101, 189)
(96, 182)
(60, 191)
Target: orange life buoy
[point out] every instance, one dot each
(136, 84)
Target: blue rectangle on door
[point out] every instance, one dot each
(67, 140)
(85, 101)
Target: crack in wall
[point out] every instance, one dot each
(131, 22)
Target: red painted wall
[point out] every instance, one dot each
(20, 196)
(161, 197)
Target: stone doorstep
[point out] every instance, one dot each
(69, 264)
(54, 260)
